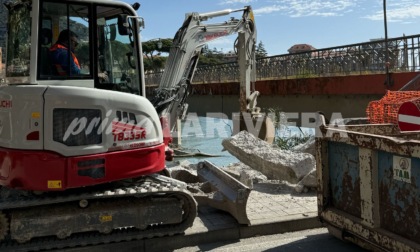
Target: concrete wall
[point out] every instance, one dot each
(337, 85)
(347, 105)
(348, 95)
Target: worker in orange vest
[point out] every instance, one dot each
(60, 54)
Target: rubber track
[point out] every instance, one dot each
(155, 184)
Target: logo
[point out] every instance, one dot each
(127, 131)
(402, 169)
(5, 104)
(121, 131)
(404, 164)
(212, 36)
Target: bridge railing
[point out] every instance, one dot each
(354, 59)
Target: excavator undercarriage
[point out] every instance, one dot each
(153, 206)
(139, 208)
(150, 206)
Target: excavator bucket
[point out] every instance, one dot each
(213, 187)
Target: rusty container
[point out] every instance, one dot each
(369, 185)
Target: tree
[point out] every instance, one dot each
(119, 52)
(210, 57)
(82, 52)
(260, 51)
(151, 51)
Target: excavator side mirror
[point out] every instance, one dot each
(123, 25)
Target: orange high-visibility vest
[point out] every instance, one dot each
(60, 70)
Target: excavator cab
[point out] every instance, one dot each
(106, 53)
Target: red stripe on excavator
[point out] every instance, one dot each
(121, 125)
(49, 171)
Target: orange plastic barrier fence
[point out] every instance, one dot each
(385, 110)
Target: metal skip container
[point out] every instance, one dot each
(369, 185)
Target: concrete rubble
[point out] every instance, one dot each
(307, 147)
(245, 174)
(261, 161)
(308, 182)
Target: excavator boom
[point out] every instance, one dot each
(173, 90)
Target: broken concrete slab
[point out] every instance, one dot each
(211, 186)
(275, 163)
(245, 174)
(250, 177)
(308, 182)
(306, 147)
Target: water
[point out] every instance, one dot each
(205, 134)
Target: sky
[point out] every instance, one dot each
(284, 23)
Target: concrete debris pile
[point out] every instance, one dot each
(294, 167)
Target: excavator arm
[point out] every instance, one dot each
(170, 97)
(226, 193)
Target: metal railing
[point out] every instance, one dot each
(355, 59)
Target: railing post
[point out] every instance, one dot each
(387, 64)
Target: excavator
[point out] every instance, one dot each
(83, 158)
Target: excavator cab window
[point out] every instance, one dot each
(96, 48)
(114, 44)
(18, 44)
(45, 45)
(64, 46)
